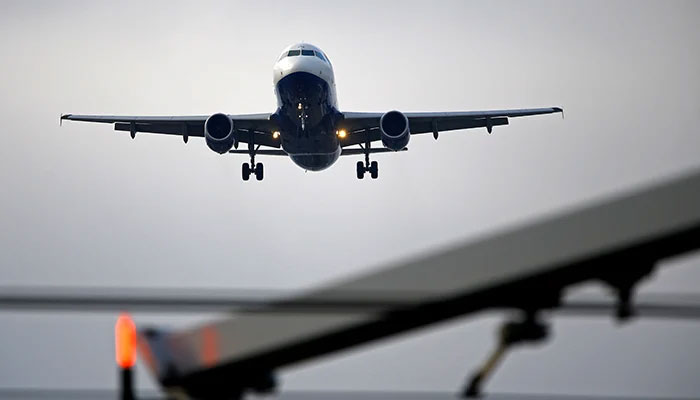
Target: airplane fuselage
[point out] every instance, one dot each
(307, 108)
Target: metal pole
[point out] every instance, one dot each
(127, 384)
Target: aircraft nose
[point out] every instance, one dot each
(290, 65)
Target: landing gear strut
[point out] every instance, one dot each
(367, 166)
(253, 168)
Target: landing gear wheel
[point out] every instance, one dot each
(259, 171)
(245, 172)
(374, 169)
(360, 170)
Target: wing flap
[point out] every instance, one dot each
(424, 126)
(261, 152)
(354, 152)
(181, 129)
(427, 125)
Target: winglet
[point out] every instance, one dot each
(63, 116)
(559, 110)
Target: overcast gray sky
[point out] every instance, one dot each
(84, 205)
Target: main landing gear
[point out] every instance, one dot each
(252, 168)
(372, 168)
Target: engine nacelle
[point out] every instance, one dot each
(395, 130)
(218, 131)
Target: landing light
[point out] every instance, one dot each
(276, 134)
(125, 335)
(341, 133)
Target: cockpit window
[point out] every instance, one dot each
(294, 53)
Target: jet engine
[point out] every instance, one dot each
(218, 131)
(395, 131)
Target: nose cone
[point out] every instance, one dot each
(303, 57)
(308, 64)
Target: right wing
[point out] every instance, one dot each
(249, 127)
(364, 126)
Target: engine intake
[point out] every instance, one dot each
(218, 131)
(395, 130)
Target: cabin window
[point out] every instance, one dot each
(293, 53)
(307, 52)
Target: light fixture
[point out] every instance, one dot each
(275, 134)
(341, 133)
(125, 341)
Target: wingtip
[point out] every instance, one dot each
(559, 110)
(63, 116)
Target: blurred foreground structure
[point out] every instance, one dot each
(618, 241)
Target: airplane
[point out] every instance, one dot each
(308, 126)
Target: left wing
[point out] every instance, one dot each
(255, 127)
(363, 127)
